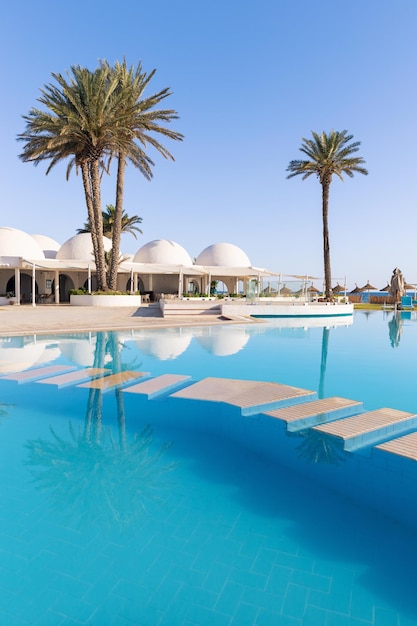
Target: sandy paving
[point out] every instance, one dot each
(63, 318)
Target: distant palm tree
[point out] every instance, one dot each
(128, 223)
(327, 154)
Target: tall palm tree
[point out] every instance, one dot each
(139, 122)
(78, 124)
(328, 154)
(128, 223)
(90, 118)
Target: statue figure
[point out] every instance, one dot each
(396, 288)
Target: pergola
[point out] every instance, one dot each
(132, 269)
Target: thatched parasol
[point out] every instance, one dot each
(368, 287)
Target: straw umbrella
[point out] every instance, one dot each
(339, 289)
(285, 291)
(368, 287)
(356, 290)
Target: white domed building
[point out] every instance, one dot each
(223, 255)
(162, 265)
(229, 265)
(80, 248)
(36, 269)
(48, 245)
(15, 245)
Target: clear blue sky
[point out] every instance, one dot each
(249, 78)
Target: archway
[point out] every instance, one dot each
(141, 286)
(93, 283)
(218, 287)
(192, 287)
(65, 285)
(25, 287)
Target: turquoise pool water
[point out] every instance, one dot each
(125, 511)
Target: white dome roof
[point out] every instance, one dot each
(17, 359)
(165, 345)
(49, 246)
(224, 255)
(223, 341)
(164, 252)
(15, 242)
(80, 248)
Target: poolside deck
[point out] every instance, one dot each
(166, 383)
(309, 414)
(247, 395)
(366, 428)
(30, 375)
(405, 446)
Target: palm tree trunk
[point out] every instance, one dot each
(117, 226)
(326, 245)
(98, 224)
(323, 364)
(90, 209)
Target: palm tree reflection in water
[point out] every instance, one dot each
(92, 478)
(318, 447)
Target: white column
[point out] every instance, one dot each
(56, 282)
(33, 285)
(17, 284)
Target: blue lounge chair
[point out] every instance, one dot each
(406, 302)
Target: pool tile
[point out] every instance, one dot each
(295, 600)
(278, 580)
(335, 618)
(73, 607)
(52, 618)
(362, 604)
(203, 616)
(248, 578)
(314, 616)
(228, 600)
(264, 561)
(332, 601)
(68, 585)
(245, 615)
(293, 561)
(386, 617)
(313, 581)
(217, 577)
(267, 618)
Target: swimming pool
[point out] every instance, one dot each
(120, 510)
